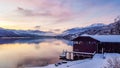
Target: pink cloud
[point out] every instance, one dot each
(29, 12)
(52, 8)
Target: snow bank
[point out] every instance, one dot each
(97, 62)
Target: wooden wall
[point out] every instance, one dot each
(89, 47)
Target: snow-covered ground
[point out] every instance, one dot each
(96, 62)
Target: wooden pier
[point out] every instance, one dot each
(66, 55)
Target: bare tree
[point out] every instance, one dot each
(117, 28)
(113, 63)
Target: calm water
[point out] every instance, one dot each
(31, 52)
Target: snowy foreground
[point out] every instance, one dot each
(97, 62)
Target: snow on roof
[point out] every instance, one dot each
(105, 38)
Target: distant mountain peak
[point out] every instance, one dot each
(97, 25)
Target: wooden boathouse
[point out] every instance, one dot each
(96, 43)
(85, 46)
(92, 43)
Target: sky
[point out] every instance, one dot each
(56, 15)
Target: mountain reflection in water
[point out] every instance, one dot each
(31, 52)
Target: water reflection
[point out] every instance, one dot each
(31, 52)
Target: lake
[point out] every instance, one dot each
(16, 52)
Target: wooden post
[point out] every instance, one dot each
(65, 54)
(102, 50)
(103, 53)
(97, 48)
(69, 56)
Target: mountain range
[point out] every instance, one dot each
(23, 33)
(94, 29)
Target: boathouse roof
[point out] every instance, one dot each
(102, 38)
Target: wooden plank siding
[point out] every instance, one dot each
(85, 44)
(109, 47)
(88, 44)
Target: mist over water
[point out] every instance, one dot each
(31, 52)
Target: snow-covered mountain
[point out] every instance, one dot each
(99, 29)
(78, 29)
(23, 33)
(97, 25)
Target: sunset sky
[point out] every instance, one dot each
(56, 15)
